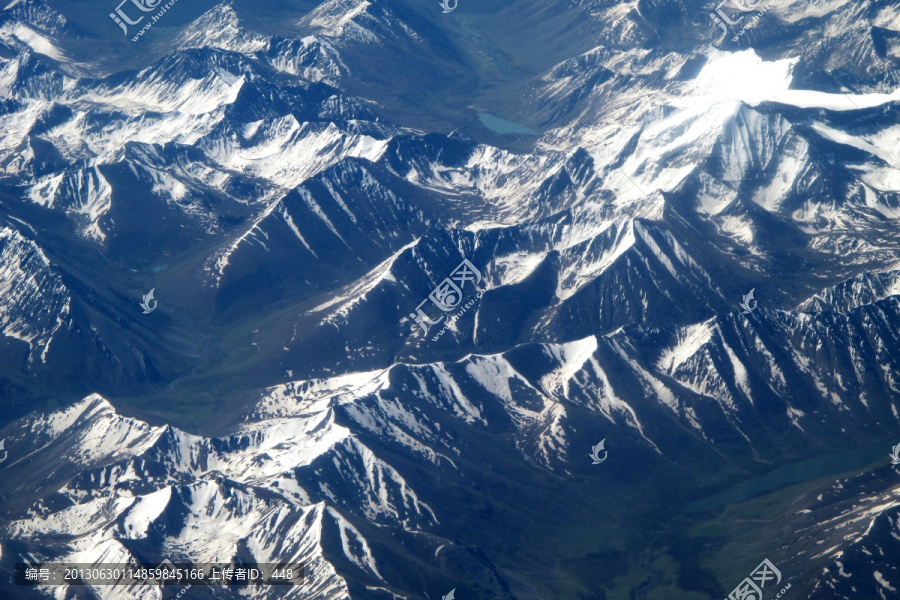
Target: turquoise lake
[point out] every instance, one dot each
(503, 126)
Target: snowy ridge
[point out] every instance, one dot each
(866, 288)
(36, 13)
(236, 177)
(211, 497)
(850, 531)
(84, 192)
(35, 302)
(343, 213)
(33, 24)
(355, 22)
(310, 57)
(191, 97)
(221, 28)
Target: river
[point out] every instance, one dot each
(798, 472)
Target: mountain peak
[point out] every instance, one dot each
(221, 27)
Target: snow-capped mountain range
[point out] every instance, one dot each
(294, 184)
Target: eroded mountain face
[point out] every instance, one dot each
(697, 261)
